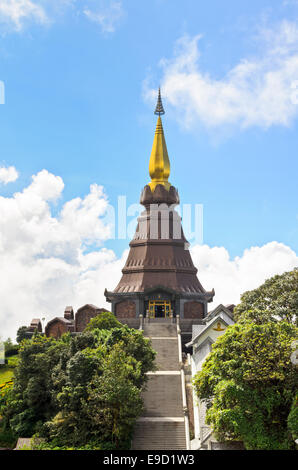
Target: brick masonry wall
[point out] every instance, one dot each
(125, 309)
(56, 329)
(193, 309)
(84, 316)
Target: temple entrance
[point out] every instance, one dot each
(159, 308)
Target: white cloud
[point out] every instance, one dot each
(232, 277)
(49, 261)
(107, 15)
(15, 13)
(8, 174)
(255, 92)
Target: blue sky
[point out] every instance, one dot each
(80, 79)
(75, 106)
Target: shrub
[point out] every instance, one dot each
(103, 321)
(80, 389)
(249, 384)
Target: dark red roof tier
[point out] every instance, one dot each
(159, 254)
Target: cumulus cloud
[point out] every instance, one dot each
(8, 174)
(51, 258)
(258, 91)
(15, 13)
(46, 261)
(232, 277)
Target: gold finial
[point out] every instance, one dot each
(159, 165)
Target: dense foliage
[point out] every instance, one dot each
(293, 419)
(81, 390)
(11, 349)
(275, 300)
(104, 321)
(249, 384)
(22, 333)
(7, 438)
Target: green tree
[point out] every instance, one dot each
(31, 400)
(134, 344)
(58, 382)
(103, 321)
(249, 383)
(275, 300)
(11, 349)
(22, 334)
(293, 419)
(114, 401)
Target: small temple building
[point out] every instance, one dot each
(159, 278)
(72, 323)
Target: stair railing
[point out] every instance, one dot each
(184, 401)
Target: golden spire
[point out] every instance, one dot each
(159, 165)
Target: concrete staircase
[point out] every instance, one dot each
(162, 425)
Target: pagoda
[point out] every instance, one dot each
(159, 279)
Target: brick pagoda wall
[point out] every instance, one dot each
(56, 328)
(193, 309)
(84, 315)
(125, 309)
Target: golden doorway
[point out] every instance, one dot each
(159, 308)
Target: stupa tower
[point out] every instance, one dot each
(159, 278)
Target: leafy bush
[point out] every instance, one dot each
(22, 334)
(103, 321)
(275, 300)
(80, 389)
(249, 383)
(10, 348)
(293, 419)
(7, 438)
(13, 361)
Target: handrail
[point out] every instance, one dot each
(183, 386)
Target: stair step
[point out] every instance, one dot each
(162, 425)
(167, 353)
(159, 436)
(160, 329)
(163, 396)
